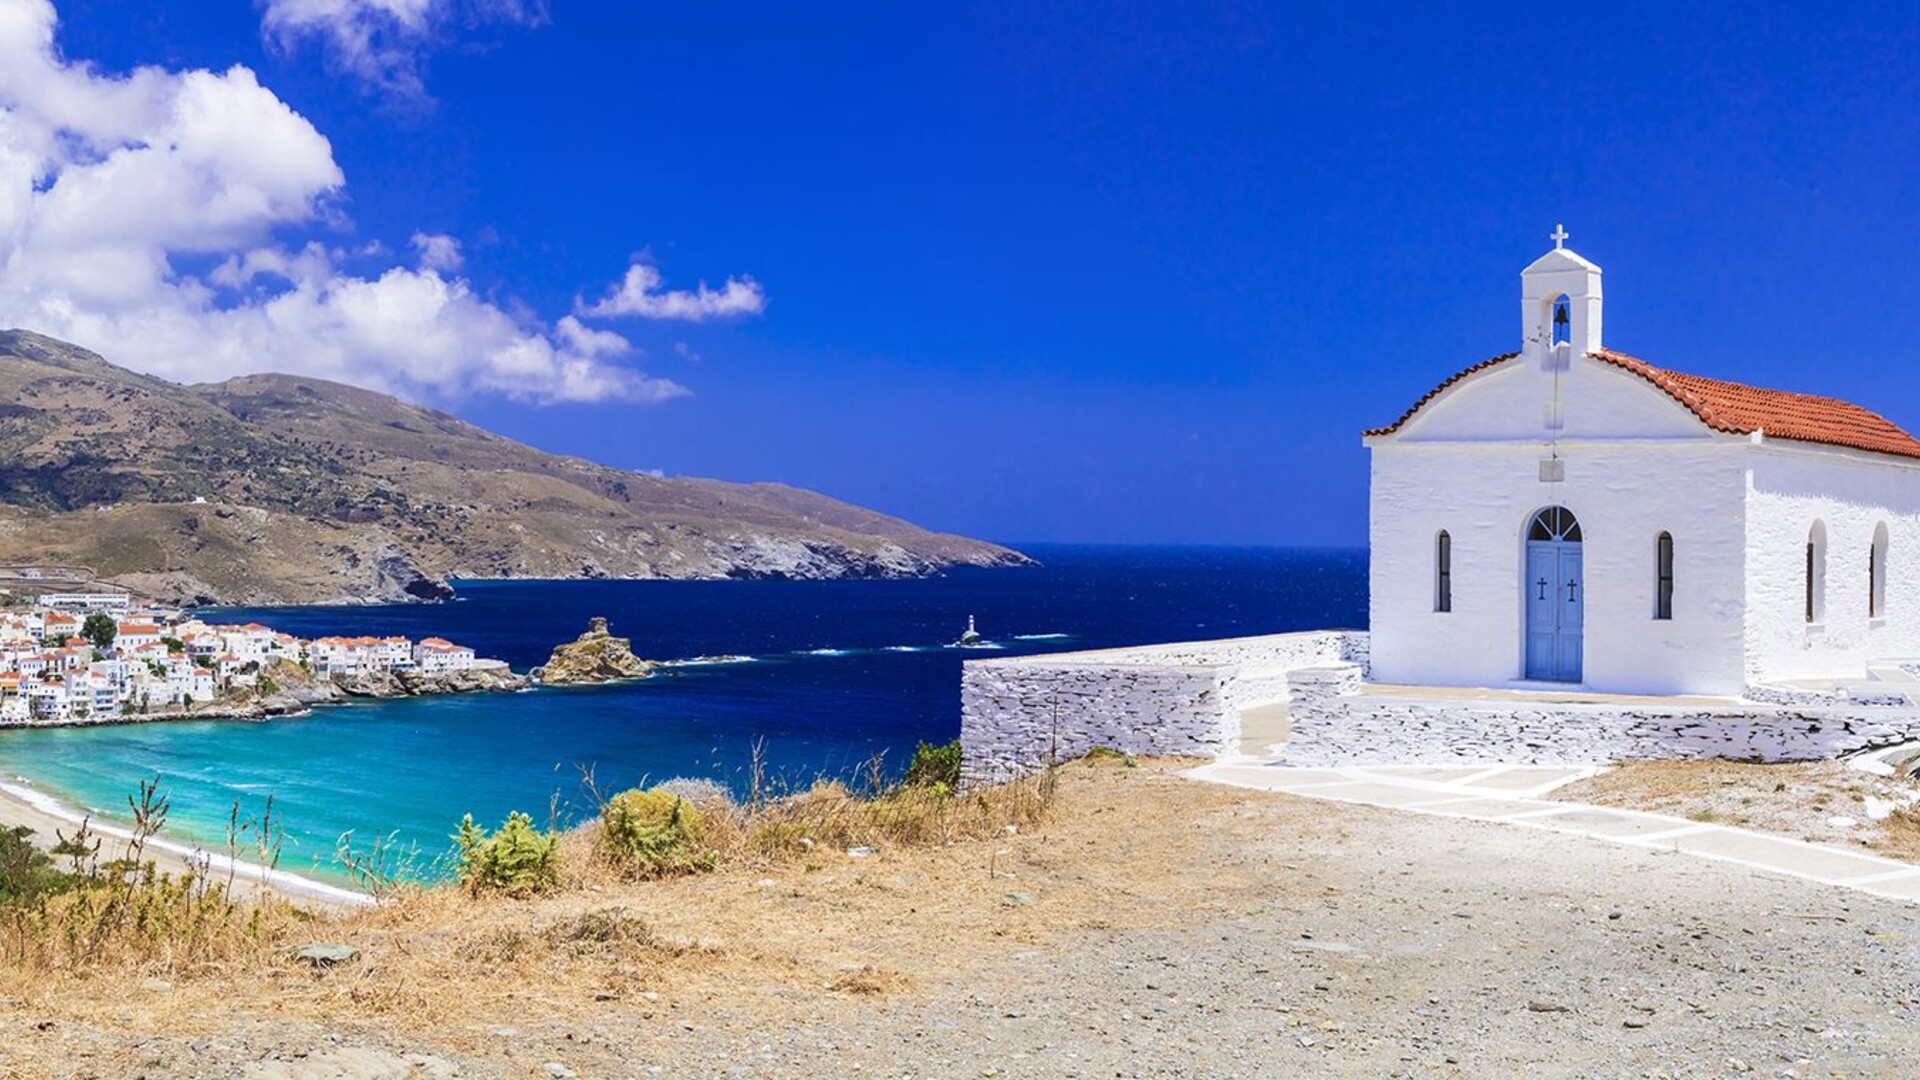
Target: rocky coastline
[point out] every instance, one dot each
(299, 697)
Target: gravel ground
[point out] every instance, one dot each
(1298, 939)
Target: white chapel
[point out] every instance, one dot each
(1570, 515)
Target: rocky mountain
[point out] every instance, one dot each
(280, 489)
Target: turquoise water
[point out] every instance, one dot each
(842, 672)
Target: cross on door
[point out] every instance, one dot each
(1543, 588)
(1571, 585)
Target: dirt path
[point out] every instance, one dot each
(1156, 927)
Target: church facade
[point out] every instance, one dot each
(1569, 515)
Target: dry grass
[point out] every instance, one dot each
(825, 819)
(103, 908)
(1812, 801)
(129, 920)
(1094, 847)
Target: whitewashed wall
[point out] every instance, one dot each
(1181, 700)
(1636, 463)
(1624, 494)
(1792, 485)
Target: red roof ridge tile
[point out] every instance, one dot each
(1492, 361)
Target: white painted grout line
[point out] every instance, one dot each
(1484, 774)
(1317, 785)
(1442, 802)
(1656, 838)
(1551, 811)
(1870, 879)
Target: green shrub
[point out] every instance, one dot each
(26, 872)
(935, 766)
(654, 834)
(518, 859)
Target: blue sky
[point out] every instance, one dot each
(1114, 272)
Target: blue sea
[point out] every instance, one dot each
(841, 672)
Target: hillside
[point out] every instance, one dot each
(315, 492)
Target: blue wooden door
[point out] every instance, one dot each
(1556, 603)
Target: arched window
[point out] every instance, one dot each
(1555, 523)
(1817, 572)
(1443, 572)
(1663, 576)
(1562, 320)
(1877, 573)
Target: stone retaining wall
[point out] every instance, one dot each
(1859, 693)
(1184, 700)
(1353, 729)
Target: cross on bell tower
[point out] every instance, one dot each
(1559, 302)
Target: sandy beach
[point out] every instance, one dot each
(23, 804)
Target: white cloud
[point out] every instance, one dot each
(438, 251)
(382, 42)
(640, 294)
(110, 184)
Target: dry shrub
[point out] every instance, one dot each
(830, 815)
(773, 827)
(122, 913)
(710, 797)
(592, 938)
(1900, 833)
(608, 930)
(865, 980)
(147, 921)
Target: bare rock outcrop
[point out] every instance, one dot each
(397, 684)
(594, 657)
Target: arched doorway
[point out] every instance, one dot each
(1556, 596)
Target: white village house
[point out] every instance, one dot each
(1570, 514)
(1575, 556)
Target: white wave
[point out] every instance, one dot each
(827, 652)
(1041, 637)
(709, 661)
(905, 648)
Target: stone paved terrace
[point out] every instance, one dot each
(1516, 796)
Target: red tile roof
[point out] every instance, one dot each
(1739, 409)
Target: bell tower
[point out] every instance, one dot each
(1559, 306)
